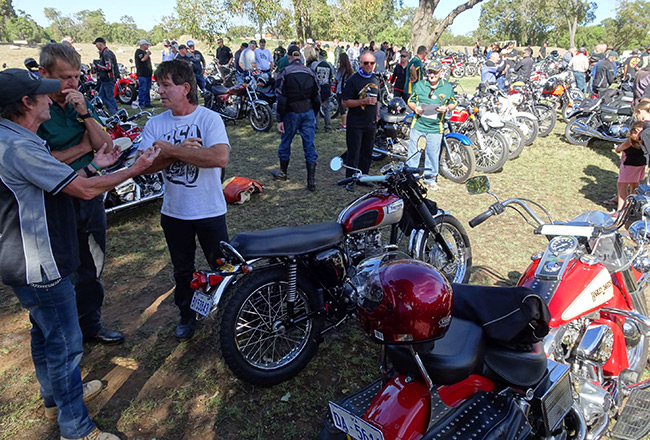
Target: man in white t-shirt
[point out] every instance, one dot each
(247, 60)
(263, 57)
(194, 148)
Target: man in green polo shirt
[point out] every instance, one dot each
(430, 99)
(74, 134)
(414, 71)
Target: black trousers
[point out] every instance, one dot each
(360, 141)
(181, 238)
(91, 233)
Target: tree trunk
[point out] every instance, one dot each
(573, 27)
(421, 35)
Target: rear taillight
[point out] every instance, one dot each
(202, 280)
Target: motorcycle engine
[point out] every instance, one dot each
(230, 109)
(619, 130)
(127, 191)
(585, 347)
(150, 184)
(365, 245)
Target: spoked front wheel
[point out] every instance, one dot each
(457, 161)
(261, 340)
(427, 249)
(491, 152)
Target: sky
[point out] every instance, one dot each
(148, 13)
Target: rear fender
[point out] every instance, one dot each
(459, 137)
(227, 281)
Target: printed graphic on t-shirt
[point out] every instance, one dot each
(323, 74)
(182, 173)
(369, 90)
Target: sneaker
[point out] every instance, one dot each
(432, 186)
(96, 435)
(91, 390)
(341, 127)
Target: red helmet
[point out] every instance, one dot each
(405, 301)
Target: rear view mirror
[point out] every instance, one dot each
(336, 163)
(477, 185)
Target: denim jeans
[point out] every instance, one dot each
(91, 231)
(56, 352)
(303, 123)
(181, 241)
(144, 91)
(107, 94)
(200, 82)
(581, 81)
(431, 153)
(325, 106)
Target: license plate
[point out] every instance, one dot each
(352, 425)
(201, 303)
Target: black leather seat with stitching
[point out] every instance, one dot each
(516, 367)
(278, 242)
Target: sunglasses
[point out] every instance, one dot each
(403, 56)
(434, 72)
(365, 63)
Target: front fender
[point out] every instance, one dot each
(459, 137)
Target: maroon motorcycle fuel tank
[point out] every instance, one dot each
(373, 210)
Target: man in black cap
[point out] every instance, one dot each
(38, 250)
(298, 97)
(604, 73)
(107, 74)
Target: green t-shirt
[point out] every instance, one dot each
(65, 129)
(431, 121)
(282, 63)
(417, 63)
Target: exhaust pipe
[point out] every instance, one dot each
(585, 130)
(133, 203)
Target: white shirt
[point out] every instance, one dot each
(247, 59)
(168, 55)
(191, 192)
(263, 58)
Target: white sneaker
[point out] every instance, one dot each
(97, 435)
(433, 186)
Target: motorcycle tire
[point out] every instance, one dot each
(458, 72)
(264, 118)
(547, 117)
(457, 161)
(576, 138)
(470, 70)
(128, 95)
(575, 98)
(334, 107)
(428, 250)
(256, 341)
(529, 128)
(493, 155)
(515, 138)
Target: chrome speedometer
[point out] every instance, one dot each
(563, 245)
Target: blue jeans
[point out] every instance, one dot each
(200, 81)
(305, 123)
(107, 94)
(56, 352)
(581, 81)
(144, 90)
(431, 153)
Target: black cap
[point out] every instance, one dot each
(293, 50)
(16, 83)
(99, 40)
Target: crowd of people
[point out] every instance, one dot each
(53, 225)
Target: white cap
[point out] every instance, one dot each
(310, 41)
(144, 42)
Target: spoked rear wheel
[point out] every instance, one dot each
(259, 339)
(515, 138)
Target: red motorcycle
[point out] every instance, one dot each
(486, 377)
(121, 125)
(277, 292)
(126, 86)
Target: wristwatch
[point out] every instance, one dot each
(86, 116)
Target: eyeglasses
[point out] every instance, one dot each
(434, 72)
(365, 63)
(403, 56)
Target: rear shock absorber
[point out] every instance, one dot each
(291, 288)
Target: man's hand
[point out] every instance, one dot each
(164, 149)
(369, 100)
(192, 142)
(76, 99)
(281, 127)
(419, 110)
(146, 158)
(103, 159)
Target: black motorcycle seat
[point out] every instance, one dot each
(448, 360)
(516, 367)
(219, 90)
(589, 104)
(286, 241)
(388, 117)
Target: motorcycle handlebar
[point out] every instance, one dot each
(480, 218)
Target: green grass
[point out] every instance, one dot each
(180, 391)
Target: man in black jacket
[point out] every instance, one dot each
(604, 75)
(525, 66)
(298, 96)
(107, 74)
